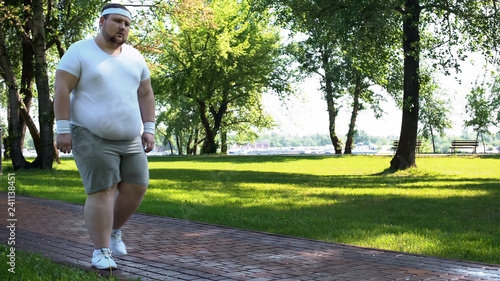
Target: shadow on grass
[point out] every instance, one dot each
(388, 171)
(236, 177)
(245, 158)
(291, 158)
(453, 226)
(461, 222)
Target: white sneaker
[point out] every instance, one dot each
(103, 260)
(116, 243)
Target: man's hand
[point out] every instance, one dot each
(64, 143)
(148, 142)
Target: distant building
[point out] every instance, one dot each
(256, 145)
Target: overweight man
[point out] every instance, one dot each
(105, 113)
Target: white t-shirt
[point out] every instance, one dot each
(105, 98)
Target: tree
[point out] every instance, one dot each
(319, 54)
(180, 119)
(362, 96)
(435, 110)
(220, 57)
(29, 29)
(18, 109)
(472, 25)
(246, 121)
(495, 95)
(336, 42)
(480, 109)
(405, 154)
(42, 85)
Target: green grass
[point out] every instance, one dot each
(34, 267)
(448, 206)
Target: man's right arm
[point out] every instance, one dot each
(64, 84)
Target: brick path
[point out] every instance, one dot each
(163, 248)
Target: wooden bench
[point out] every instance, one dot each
(470, 144)
(396, 144)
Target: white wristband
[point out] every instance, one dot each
(63, 127)
(149, 127)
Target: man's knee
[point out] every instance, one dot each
(131, 188)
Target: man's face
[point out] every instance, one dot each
(115, 29)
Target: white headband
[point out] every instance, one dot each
(118, 11)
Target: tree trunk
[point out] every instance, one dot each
(45, 115)
(354, 115)
(405, 154)
(196, 140)
(178, 141)
(27, 86)
(171, 147)
(14, 141)
(330, 102)
(1, 138)
(482, 141)
(332, 114)
(189, 150)
(192, 146)
(209, 145)
(433, 141)
(223, 141)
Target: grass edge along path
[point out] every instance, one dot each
(33, 266)
(448, 207)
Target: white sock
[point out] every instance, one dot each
(115, 231)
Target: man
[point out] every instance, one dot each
(111, 101)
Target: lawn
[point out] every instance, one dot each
(448, 206)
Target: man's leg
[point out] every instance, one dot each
(98, 214)
(128, 199)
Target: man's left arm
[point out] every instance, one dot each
(146, 100)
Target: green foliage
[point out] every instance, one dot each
(434, 114)
(335, 39)
(71, 21)
(468, 26)
(369, 32)
(480, 108)
(216, 59)
(495, 95)
(31, 33)
(65, 23)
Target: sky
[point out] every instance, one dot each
(307, 114)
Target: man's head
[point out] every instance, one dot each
(115, 24)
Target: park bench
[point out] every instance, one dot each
(470, 144)
(396, 144)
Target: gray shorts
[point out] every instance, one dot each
(103, 163)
